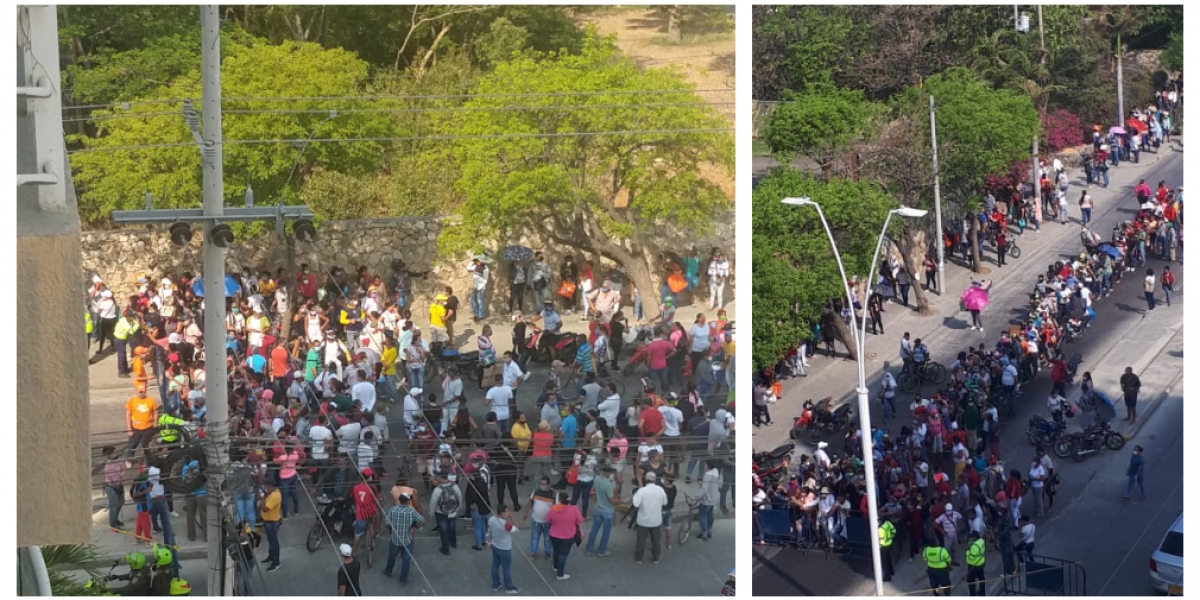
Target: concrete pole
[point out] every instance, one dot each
(1037, 181)
(937, 202)
(1120, 86)
(216, 394)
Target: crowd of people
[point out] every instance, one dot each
(944, 488)
(310, 413)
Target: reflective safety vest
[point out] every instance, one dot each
(975, 553)
(887, 533)
(125, 328)
(936, 557)
(170, 435)
(87, 322)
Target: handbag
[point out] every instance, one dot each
(578, 536)
(567, 289)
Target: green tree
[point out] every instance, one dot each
(989, 129)
(818, 123)
(1171, 58)
(795, 278)
(113, 178)
(612, 195)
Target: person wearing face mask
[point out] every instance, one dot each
(569, 273)
(604, 301)
(306, 284)
(540, 277)
(552, 329)
(314, 322)
(351, 320)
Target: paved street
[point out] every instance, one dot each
(698, 568)
(1123, 335)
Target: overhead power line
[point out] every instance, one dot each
(422, 109)
(430, 138)
(126, 105)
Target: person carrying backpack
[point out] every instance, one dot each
(446, 501)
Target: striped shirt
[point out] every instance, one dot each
(583, 356)
(718, 268)
(402, 519)
(114, 470)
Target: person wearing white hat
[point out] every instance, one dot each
(947, 524)
(348, 572)
(823, 462)
(107, 312)
(412, 407)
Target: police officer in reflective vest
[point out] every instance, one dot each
(169, 426)
(937, 564)
(887, 535)
(126, 326)
(975, 560)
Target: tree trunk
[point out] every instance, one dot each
(833, 318)
(973, 236)
(913, 245)
(424, 64)
(285, 328)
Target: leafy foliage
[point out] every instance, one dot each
(794, 274)
(1061, 129)
(589, 190)
(817, 122)
(988, 128)
(1171, 58)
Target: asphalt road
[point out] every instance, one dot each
(1124, 334)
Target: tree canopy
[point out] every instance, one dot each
(817, 122)
(794, 271)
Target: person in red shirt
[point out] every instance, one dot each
(659, 351)
(650, 420)
(366, 506)
(1142, 191)
(1161, 193)
(1013, 490)
(306, 284)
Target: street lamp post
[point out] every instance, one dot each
(864, 405)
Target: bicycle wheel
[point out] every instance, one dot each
(909, 382)
(315, 536)
(935, 372)
(685, 528)
(370, 541)
(1014, 251)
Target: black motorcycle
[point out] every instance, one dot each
(828, 423)
(336, 519)
(1048, 432)
(1092, 440)
(441, 358)
(772, 467)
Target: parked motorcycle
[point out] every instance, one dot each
(1092, 440)
(563, 348)
(772, 467)
(442, 358)
(1047, 432)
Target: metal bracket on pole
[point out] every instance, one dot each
(196, 215)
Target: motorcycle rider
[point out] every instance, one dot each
(552, 329)
(1057, 405)
(139, 577)
(164, 581)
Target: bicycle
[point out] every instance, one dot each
(912, 376)
(693, 514)
(374, 528)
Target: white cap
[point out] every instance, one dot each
(96, 279)
(650, 476)
(415, 392)
(166, 282)
(924, 467)
(346, 550)
(822, 445)
(106, 294)
(949, 507)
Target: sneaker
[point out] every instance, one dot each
(656, 561)
(495, 589)
(445, 551)
(512, 591)
(274, 567)
(563, 577)
(604, 554)
(175, 514)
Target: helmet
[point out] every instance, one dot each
(180, 587)
(135, 560)
(162, 555)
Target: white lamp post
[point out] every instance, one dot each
(860, 335)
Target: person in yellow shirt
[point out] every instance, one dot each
(437, 320)
(521, 433)
(272, 504)
(138, 367)
(388, 362)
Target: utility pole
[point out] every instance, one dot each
(937, 200)
(1037, 183)
(216, 395)
(1120, 86)
(217, 236)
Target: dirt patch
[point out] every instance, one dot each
(706, 59)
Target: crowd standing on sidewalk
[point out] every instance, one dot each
(310, 414)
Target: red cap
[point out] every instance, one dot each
(367, 472)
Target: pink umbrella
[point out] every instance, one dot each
(975, 298)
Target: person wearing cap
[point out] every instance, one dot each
(348, 572)
(412, 407)
(976, 558)
(366, 506)
(141, 416)
(551, 329)
(437, 320)
(479, 280)
(947, 525)
(446, 503)
(649, 501)
(403, 520)
(108, 312)
(937, 566)
(124, 328)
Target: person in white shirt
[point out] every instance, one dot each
(452, 393)
(1037, 483)
(363, 391)
(412, 407)
(1028, 531)
(649, 501)
(610, 406)
(479, 280)
(672, 423)
(497, 399)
